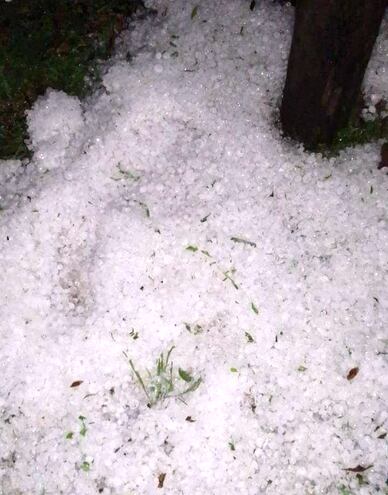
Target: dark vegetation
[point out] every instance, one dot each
(358, 131)
(51, 43)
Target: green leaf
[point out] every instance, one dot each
(125, 174)
(184, 375)
(192, 387)
(194, 329)
(234, 370)
(254, 308)
(192, 248)
(249, 337)
(83, 429)
(85, 466)
(160, 365)
(302, 368)
(140, 380)
(197, 329)
(194, 12)
(145, 207)
(169, 354)
(228, 277)
(69, 435)
(361, 480)
(243, 241)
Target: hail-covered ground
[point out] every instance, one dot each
(168, 211)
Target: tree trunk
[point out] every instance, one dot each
(331, 47)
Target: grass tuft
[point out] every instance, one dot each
(163, 382)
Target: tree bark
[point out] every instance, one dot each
(331, 47)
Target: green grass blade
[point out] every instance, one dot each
(140, 380)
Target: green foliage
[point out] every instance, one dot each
(343, 490)
(186, 377)
(163, 382)
(365, 132)
(192, 248)
(46, 43)
(83, 428)
(254, 308)
(195, 329)
(359, 131)
(85, 466)
(243, 241)
(194, 12)
(228, 276)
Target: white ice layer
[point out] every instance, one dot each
(282, 292)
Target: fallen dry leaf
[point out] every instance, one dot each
(161, 478)
(358, 468)
(77, 383)
(352, 373)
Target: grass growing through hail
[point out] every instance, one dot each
(164, 382)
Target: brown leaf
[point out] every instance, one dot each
(352, 373)
(358, 468)
(77, 383)
(190, 419)
(161, 478)
(383, 435)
